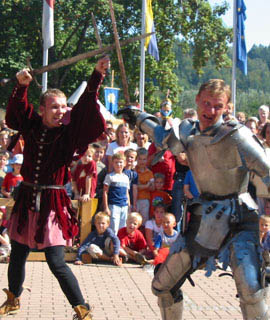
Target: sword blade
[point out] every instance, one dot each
(86, 55)
(79, 57)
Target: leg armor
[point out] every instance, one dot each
(167, 281)
(246, 270)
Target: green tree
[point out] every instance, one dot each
(194, 21)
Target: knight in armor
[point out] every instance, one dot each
(224, 221)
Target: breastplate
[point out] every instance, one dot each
(217, 167)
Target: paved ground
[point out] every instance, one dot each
(120, 293)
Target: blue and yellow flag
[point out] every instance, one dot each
(241, 41)
(111, 99)
(150, 42)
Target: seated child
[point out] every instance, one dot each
(165, 238)
(264, 226)
(132, 241)
(98, 242)
(85, 177)
(14, 178)
(267, 207)
(5, 246)
(154, 226)
(158, 194)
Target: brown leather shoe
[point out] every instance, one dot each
(82, 313)
(11, 305)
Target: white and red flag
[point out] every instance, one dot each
(48, 24)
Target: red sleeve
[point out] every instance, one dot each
(122, 236)
(152, 149)
(90, 168)
(141, 242)
(5, 182)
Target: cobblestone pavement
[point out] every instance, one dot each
(120, 293)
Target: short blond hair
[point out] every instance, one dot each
(118, 156)
(216, 87)
(4, 154)
(170, 215)
(102, 215)
(264, 217)
(50, 93)
(135, 215)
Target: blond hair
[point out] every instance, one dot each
(137, 216)
(216, 87)
(50, 93)
(102, 215)
(170, 215)
(118, 156)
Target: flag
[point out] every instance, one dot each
(48, 24)
(111, 99)
(241, 41)
(150, 42)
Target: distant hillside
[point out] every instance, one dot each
(253, 90)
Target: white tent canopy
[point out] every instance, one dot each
(73, 99)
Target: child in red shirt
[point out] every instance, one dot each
(159, 195)
(132, 241)
(12, 179)
(85, 177)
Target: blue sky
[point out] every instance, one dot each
(257, 23)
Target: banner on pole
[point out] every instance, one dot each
(241, 41)
(48, 24)
(111, 99)
(150, 42)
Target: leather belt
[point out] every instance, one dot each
(39, 188)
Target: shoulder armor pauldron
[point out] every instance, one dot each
(187, 128)
(226, 129)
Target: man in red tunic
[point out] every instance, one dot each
(42, 216)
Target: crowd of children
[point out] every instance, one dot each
(135, 218)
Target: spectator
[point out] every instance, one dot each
(228, 113)
(116, 200)
(14, 178)
(102, 243)
(145, 185)
(85, 177)
(122, 143)
(4, 156)
(262, 193)
(131, 155)
(252, 124)
(166, 112)
(4, 141)
(5, 246)
(264, 227)
(241, 117)
(267, 207)
(99, 151)
(190, 113)
(165, 238)
(181, 167)
(263, 116)
(141, 139)
(190, 188)
(132, 241)
(158, 194)
(165, 165)
(154, 226)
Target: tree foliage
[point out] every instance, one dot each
(198, 26)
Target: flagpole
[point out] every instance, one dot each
(142, 69)
(45, 74)
(234, 56)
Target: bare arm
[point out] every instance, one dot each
(105, 199)
(149, 238)
(187, 193)
(86, 196)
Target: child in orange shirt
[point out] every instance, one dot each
(158, 194)
(145, 184)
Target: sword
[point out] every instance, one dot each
(79, 57)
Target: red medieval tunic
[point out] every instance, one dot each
(47, 156)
